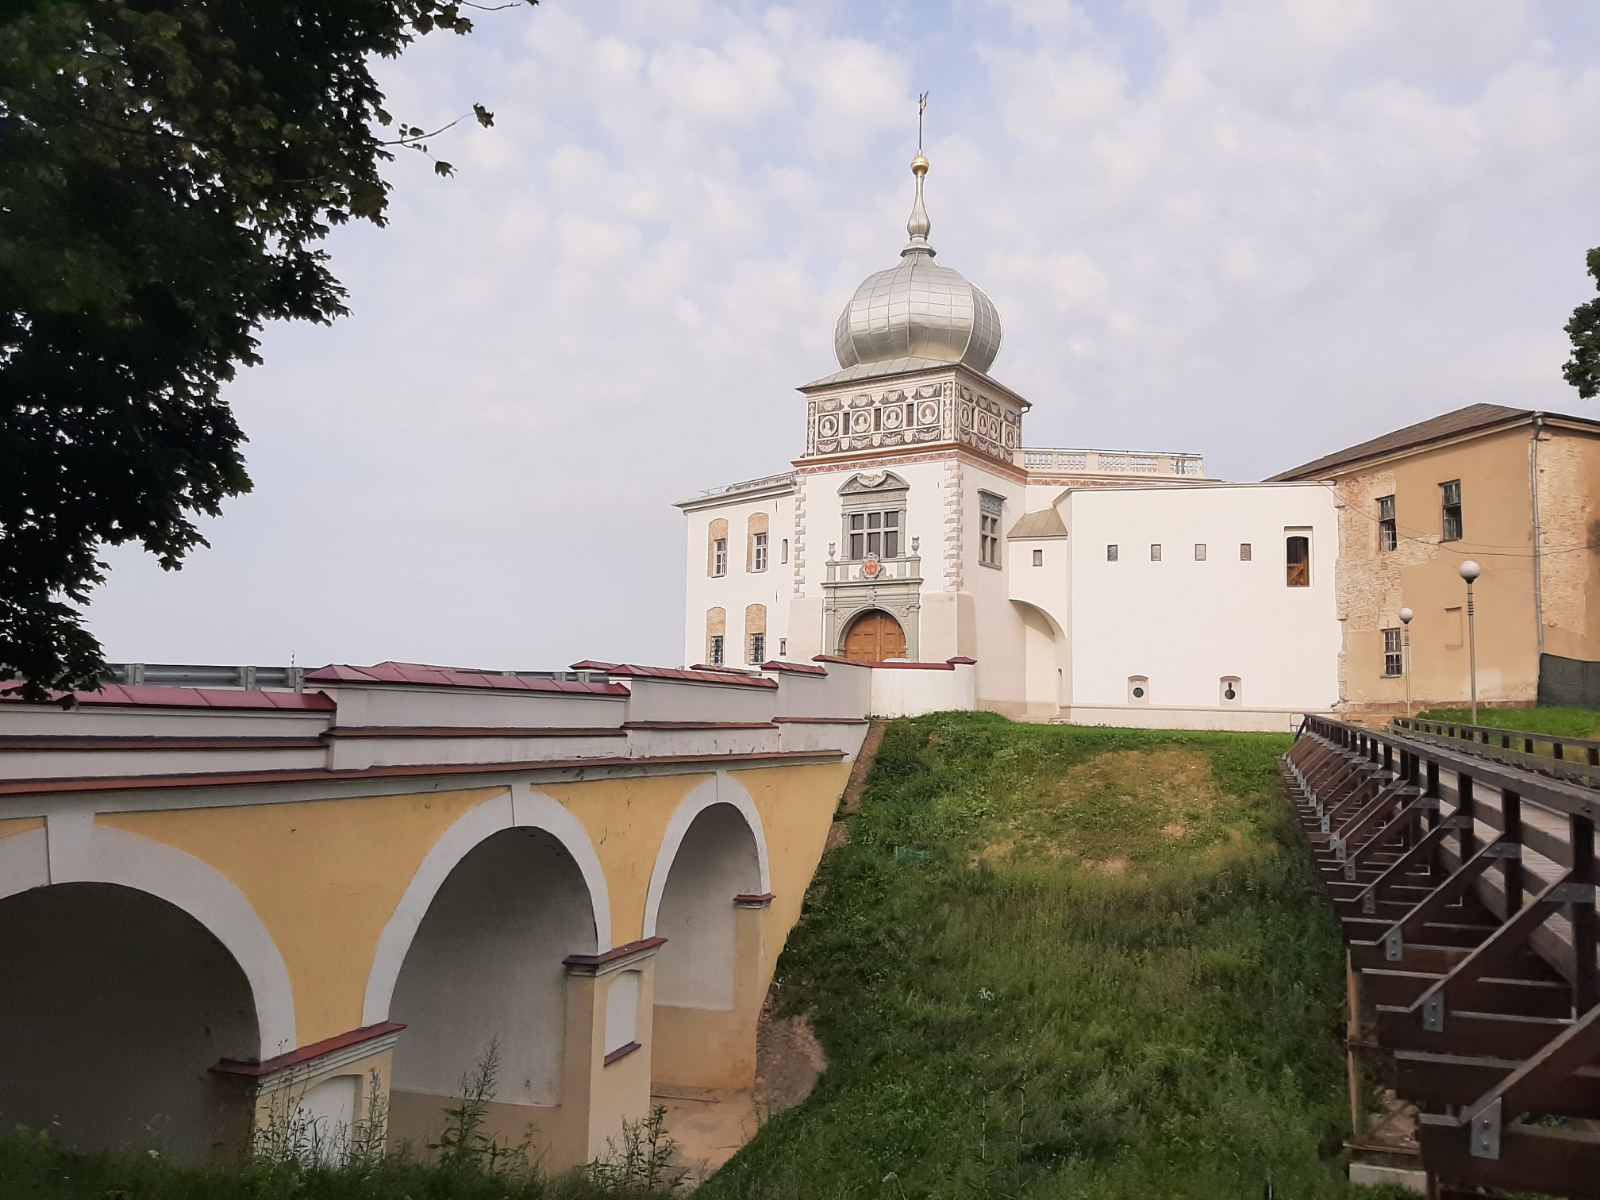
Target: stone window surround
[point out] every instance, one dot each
(990, 509)
(866, 492)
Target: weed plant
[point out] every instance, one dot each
(1106, 972)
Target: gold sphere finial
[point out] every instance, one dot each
(919, 165)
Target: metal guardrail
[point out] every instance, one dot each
(1465, 889)
(253, 678)
(1568, 757)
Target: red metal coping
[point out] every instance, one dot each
(895, 664)
(253, 1069)
(632, 671)
(421, 673)
(795, 668)
(152, 696)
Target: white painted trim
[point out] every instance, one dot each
(517, 807)
(719, 789)
(108, 855)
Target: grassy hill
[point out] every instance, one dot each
(1063, 962)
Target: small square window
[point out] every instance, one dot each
(785, 557)
(1038, 558)
(1244, 551)
(1111, 553)
(1199, 552)
(1155, 551)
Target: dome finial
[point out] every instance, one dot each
(918, 224)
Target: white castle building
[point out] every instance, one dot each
(1097, 586)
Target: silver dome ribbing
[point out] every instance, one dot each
(918, 309)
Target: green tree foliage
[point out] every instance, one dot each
(1583, 368)
(168, 172)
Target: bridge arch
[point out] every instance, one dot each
(719, 790)
(522, 808)
(708, 896)
(474, 955)
(135, 968)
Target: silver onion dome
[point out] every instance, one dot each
(918, 309)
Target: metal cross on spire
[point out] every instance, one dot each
(922, 107)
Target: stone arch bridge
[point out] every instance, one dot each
(217, 905)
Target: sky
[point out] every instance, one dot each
(1254, 229)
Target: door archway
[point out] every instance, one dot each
(873, 636)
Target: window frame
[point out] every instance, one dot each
(1394, 665)
(758, 548)
(719, 557)
(1155, 551)
(1388, 527)
(1200, 552)
(1290, 537)
(716, 646)
(877, 529)
(988, 539)
(757, 647)
(1450, 514)
(1112, 552)
(1246, 552)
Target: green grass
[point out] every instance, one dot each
(1562, 722)
(1104, 977)
(34, 1168)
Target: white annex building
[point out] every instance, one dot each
(1112, 587)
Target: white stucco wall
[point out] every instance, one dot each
(741, 586)
(1186, 624)
(912, 691)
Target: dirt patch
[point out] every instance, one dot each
(838, 835)
(1115, 809)
(789, 1061)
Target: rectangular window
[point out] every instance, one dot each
(1393, 660)
(716, 649)
(1199, 552)
(989, 540)
(758, 648)
(719, 557)
(785, 551)
(1155, 551)
(1038, 558)
(874, 533)
(1111, 553)
(1388, 535)
(1451, 497)
(1244, 551)
(783, 647)
(760, 563)
(1297, 555)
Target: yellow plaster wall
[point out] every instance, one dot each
(626, 820)
(1422, 572)
(15, 825)
(796, 806)
(325, 876)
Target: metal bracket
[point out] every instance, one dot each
(1485, 1135)
(1394, 944)
(1429, 802)
(1506, 850)
(1369, 901)
(1433, 1013)
(1458, 821)
(1408, 791)
(1572, 893)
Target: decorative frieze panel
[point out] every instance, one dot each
(917, 414)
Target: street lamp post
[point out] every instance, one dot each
(1470, 571)
(1405, 653)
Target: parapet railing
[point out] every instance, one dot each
(1114, 462)
(1465, 889)
(1566, 757)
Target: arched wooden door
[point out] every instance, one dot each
(873, 637)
